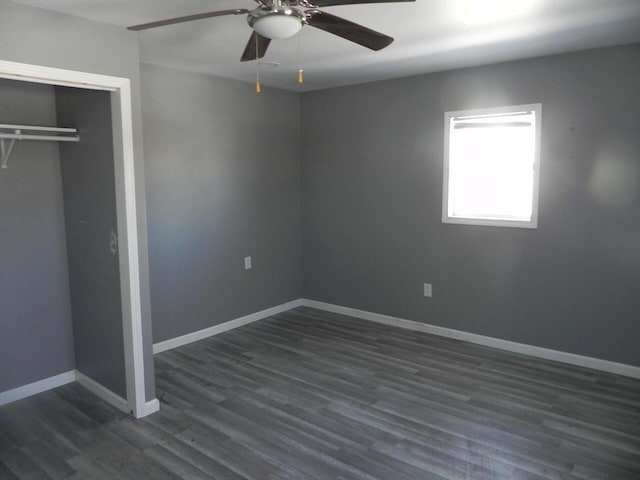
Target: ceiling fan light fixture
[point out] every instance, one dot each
(277, 25)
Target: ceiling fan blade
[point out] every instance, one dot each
(257, 44)
(351, 31)
(331, 3)
(188, 18)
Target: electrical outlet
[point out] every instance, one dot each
(247, 263)
(428, 290)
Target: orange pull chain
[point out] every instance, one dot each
(300, 71)
(258, 86)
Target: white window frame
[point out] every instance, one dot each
(448, 116)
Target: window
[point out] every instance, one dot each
(491, 166)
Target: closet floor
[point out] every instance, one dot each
(314, 395)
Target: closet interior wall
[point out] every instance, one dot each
(36, 339)
(88, 186)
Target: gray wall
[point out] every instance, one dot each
(223, 182)
(88, 186)
(36, 338)
(372, 197)
(40, 37)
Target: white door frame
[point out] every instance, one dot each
(126, 219)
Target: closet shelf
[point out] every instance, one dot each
(10, 133)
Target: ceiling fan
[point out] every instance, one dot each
(279, 19)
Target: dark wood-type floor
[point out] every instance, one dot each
(313, 395)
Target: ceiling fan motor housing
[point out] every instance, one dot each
(278, 21)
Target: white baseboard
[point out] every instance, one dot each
(117, 401)
(103, 392)
(223, 327)
(75, 376)
(37, 387)
(539, 352)
(153, 406)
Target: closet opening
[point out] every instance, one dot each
(70, 285)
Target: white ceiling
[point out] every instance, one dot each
(430, 35)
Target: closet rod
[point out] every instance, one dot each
(8, 139)
(36, 129)
(50, 138)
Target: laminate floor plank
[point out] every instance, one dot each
(6, 473)
(22, 465)
(48, 460)
(531, 457)
(175, 464)
(312, 395)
